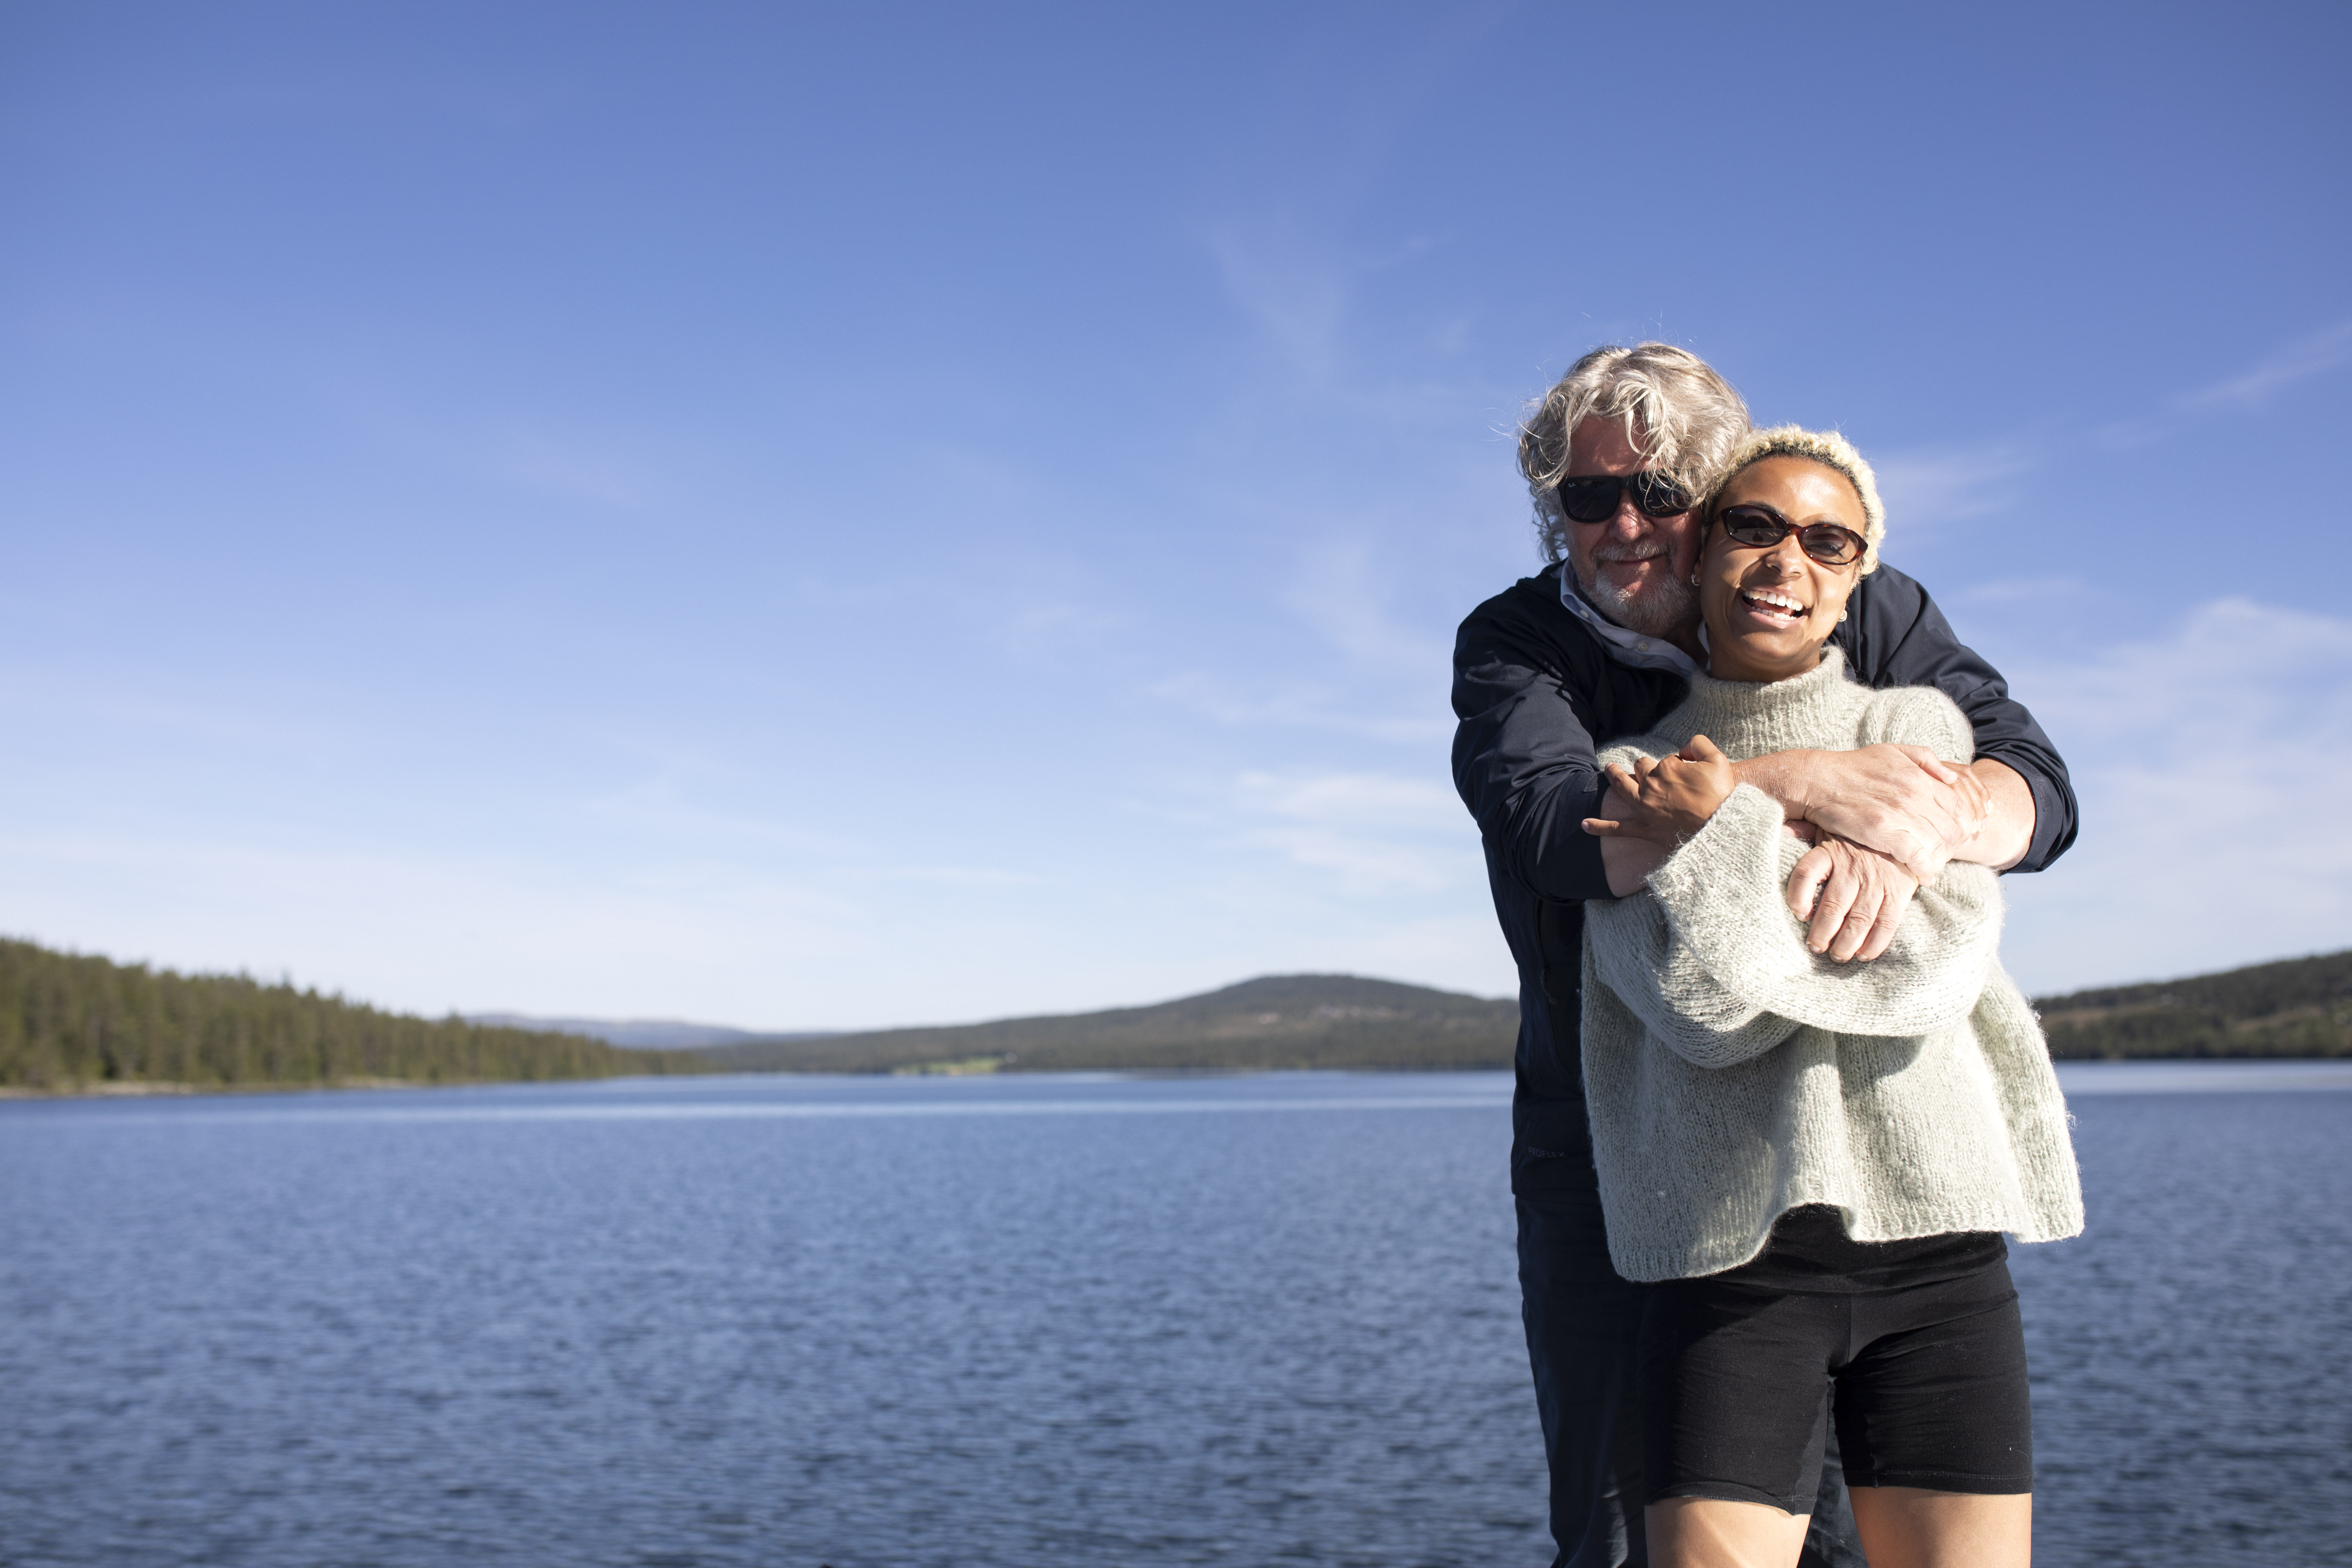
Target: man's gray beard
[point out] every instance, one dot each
(1664, 607)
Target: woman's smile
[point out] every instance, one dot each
(1774, 607)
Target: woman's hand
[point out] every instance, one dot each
(1671, 797)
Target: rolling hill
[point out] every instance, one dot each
(1280, 1021)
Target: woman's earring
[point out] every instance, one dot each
(1693, 579)
(1842, 615)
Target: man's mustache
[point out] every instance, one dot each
(1637, 549)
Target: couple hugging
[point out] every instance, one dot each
(1745, 798)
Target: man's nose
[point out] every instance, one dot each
(1630, 522)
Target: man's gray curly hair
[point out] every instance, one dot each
(1682, 416)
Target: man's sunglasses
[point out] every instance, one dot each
(1824, 541)
(1592, 497)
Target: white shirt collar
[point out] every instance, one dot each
(1626, 647)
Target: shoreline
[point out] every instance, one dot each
(2093, 1074)
(139, 1089)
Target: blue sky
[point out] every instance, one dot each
(831, 517)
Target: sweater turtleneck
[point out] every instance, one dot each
(1755, 718)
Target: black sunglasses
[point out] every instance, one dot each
(1824, 541)
(1592, 497)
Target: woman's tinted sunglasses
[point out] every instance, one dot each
(1592, 497)
(1759, 525)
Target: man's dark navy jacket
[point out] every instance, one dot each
(1536, 693)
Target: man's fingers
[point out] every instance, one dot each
(1836, 901)
(1805, 882)
(1699, 748)
(1939, 770)
(1856, 928)
(1601, 828)
(1882, 930)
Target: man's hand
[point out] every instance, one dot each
(1903, 802)
(1667, 799)
(1853, 897)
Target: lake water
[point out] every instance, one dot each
(1067, 1319)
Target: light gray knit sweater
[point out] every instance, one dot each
(1731, 1074)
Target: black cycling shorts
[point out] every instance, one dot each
(1926, 1380)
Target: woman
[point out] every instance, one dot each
(1816, 1160)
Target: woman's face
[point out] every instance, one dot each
(1770, 609)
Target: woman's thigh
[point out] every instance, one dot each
(1733, 1380)
(1933, 1397)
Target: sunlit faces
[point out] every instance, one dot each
(1634, 568)
(1770, 609)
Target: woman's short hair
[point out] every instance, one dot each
(1828, 448)
(1677, 412)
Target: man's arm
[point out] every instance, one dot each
(1523, 758)
(1895, 635)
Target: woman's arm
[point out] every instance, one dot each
(1632, 950)
(1722, 894)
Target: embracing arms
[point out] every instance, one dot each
(1714, 967)
(1713, 963)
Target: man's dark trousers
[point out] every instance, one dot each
(1584, 1325)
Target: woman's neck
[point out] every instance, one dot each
(1724, 662)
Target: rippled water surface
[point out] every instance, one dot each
(1025, 1320)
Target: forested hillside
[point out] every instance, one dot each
(68, 1022)
(2302, 1008)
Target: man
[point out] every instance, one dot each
(1597, 646)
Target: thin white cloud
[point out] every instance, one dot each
(1343, 592)
(2299, 361)
(1292, 292)
(1375, 833)
(1356, 799)
(2210, 764)
(1933, 487)
(1925, 489)
(2029, 591)
(1297, 705)
(2315, 355)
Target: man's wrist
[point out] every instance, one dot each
(1789, 777)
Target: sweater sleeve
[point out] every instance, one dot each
(1632, 949)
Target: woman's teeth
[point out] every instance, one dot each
(1765, 599)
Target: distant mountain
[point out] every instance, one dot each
(640, 1034)
(2300, 1008)
(1280, 1021)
